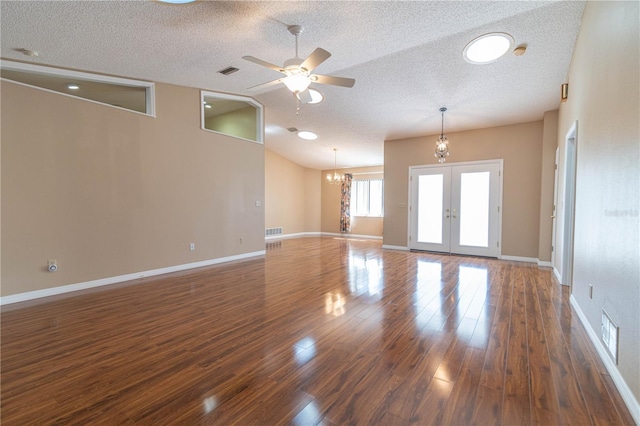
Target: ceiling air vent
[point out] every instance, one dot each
(228, 70)
(292, 129)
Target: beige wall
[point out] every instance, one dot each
(370, 226)
(604, 98)
(292, 195)
(519, 145)
(549, 145)
(313, 201)
(108, 192)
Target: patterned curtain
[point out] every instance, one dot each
(345, 204)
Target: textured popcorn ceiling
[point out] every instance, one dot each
(406, 58)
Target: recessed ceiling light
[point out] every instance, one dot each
(316, 97)
(487, 48)
(72, 86)
(308, 135)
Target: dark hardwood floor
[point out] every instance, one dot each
(319, 331)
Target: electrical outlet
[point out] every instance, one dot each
(241, 240)
(192, 246)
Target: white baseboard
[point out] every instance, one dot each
(630, 401)
(294, 235)
(30, 295)
(347, 235)
(545, 264)
(390, 247)
(519, 259)
(557, 274)
(321, 234)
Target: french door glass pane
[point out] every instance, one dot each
(474, 209)
(430, 195)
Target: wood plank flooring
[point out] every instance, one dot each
(321, 331)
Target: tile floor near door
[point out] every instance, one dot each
(319, 331)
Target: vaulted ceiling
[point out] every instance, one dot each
(406, 58)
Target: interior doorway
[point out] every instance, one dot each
(564, 239)
(456, 208)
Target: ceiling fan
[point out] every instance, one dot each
(297, 71)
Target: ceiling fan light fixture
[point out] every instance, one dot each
(316, 96)
(297, 82)
(307, 135)
(487, 48)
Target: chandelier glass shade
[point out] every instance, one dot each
(442, 144)
(335, 178)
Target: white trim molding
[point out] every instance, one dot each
(345, 235)
(545, 263)
(519, 259)
(30, 295)
(629, 399)
(390, 247)
(294, 235)
(556, 273)
(321, 234)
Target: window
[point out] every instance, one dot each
(367, 197)
(133, 95)
(232, 115)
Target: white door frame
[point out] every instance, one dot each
(500, 163)
(554, 218)
(565, 239)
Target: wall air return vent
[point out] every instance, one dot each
(273, 231)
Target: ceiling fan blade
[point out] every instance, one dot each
(317, 57)
(263, 63)
(334, 81)
(304, 96)
(267, 84)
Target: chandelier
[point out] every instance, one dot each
(442, 144)
(336, 178)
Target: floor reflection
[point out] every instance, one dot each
(454, 303)
(475, 278)
(304, 350)
(428, 285)
(309, 415)
(365, 274)
(209, 404)
(334, 304)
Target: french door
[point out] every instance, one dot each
(456, 208)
